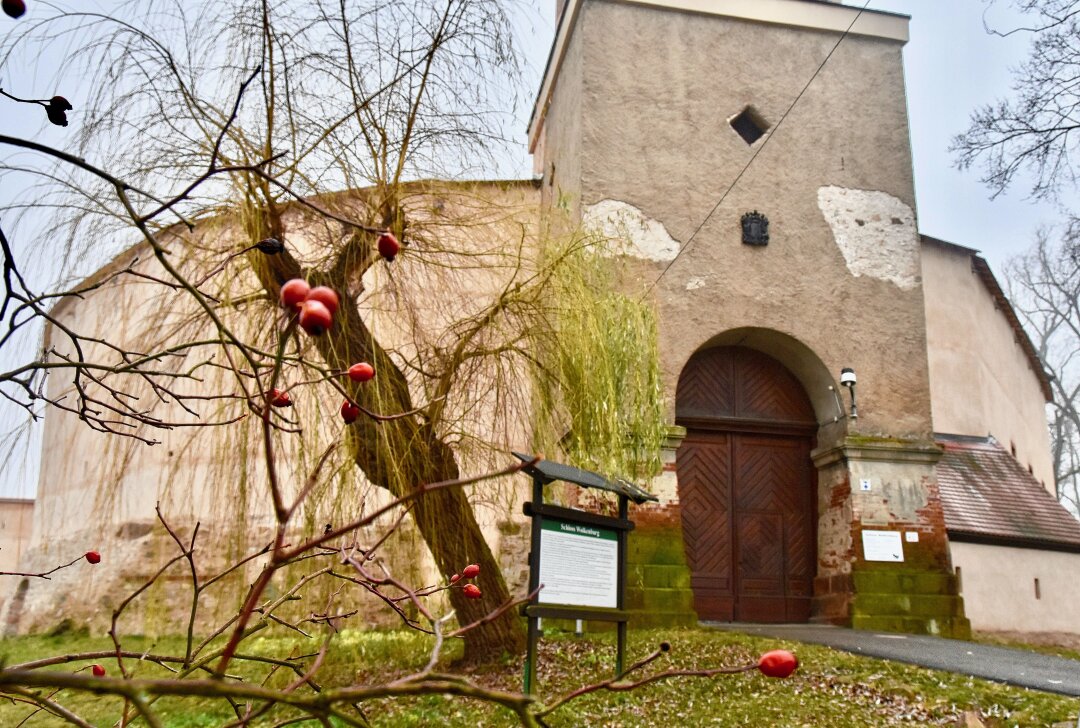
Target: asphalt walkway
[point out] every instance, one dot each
(1011, 666)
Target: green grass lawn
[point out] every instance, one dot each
(830, 689)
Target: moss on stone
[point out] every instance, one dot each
(908, 600)
(658, 579)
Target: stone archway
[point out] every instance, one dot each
(747, 486)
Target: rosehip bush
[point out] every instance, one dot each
(361, 372)
(57, 109)
(777, 663)
(388, 246)
(294, 292)
(349, 412)
(270, 246)
(326, 296)
(315, 318)
(14, 8)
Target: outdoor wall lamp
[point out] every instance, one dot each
(847, 379)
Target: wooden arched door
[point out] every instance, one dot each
(747, 486)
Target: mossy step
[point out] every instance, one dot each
(953, 627)
(916, 605)
(904, 582)
(660, 600)
(646, 619)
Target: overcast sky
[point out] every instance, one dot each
(952, 65)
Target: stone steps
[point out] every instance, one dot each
(913, 602)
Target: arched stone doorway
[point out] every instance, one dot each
(747, 486)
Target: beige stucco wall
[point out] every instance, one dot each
(840, 275)
(15, 520)
(982, 382)
(99, 491)
(998, 586)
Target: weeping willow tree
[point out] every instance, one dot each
(599, 396)
(245, 121)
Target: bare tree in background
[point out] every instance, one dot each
(1034, 134)
(1044, 287)
(1036, 129)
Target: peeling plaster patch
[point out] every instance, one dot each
(875, 233)
(694, 283)
(635, 234)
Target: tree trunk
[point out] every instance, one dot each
(403, 453)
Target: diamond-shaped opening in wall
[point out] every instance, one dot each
(749, 125)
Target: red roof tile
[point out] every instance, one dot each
(987, 495)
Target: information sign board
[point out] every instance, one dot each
(579, 564)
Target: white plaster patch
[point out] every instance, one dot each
(630, 230)
(695, 283)
(875, 232)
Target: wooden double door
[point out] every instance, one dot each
(747, 487)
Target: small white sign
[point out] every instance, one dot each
(911, 536)
(864, 484)
(882, 546)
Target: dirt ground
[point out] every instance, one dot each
(1062, 640)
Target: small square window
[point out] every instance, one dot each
(749, 125)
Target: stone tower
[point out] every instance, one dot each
(687, 127)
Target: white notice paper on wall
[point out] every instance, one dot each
(882, 546)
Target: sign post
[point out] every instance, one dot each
(579, 557)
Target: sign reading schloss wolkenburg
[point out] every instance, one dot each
(579, 564)
(882, 546)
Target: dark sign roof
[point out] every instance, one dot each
(549, 471)
(988, 496)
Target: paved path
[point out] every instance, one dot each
(1003, 664)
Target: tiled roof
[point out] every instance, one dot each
(988, 496)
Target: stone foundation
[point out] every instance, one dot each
(884, 484)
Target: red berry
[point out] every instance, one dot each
(455, 578)
(57, 109)
(92, 556)
(14, 8)
(361, 372)
(270, 246)
(315, 318)
(280, 399)
(326, 296)
(388, 246)
(778, 663)
(471, 571)
(98, 670)
(294, 292)
(472, 591)
(349, 412)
